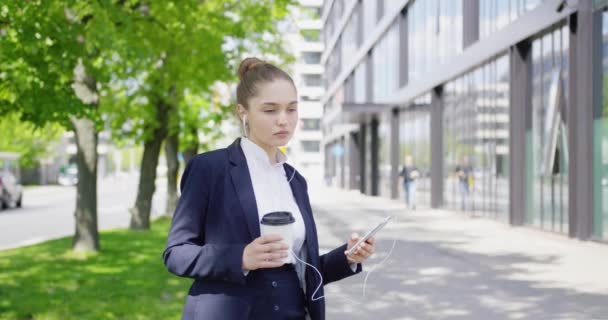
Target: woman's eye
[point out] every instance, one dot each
(293, 110)
(268, 111)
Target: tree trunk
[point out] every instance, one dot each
(192, 150)
(140, 214)
(171, 149)
(86, 237)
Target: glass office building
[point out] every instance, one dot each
(501, 105)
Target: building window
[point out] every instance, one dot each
(435, 35)
(312, 80)
(369, 17)
(476, 141)
(385, 58)
(349, 39)
(310, 99)
(415, 151)
(600, 146)
(311, 124)
(360, 82)
(311, 145)
(546, 150)
(496, 14)
(310, 35)
(311, 13)
(311, 57)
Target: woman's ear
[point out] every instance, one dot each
(242, 112)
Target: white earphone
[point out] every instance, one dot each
(245, 125)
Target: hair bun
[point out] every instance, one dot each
(249, 64)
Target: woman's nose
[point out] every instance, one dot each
(282, 119)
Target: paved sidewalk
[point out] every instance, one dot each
(446, 265)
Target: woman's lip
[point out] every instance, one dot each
(281, 133)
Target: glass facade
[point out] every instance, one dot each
(435, 34)
(600, 146)
(360, 82)
(547, 152)
(385, 58)
(496, 14)
(369, 17)
(332, 65)
(415, 142)
(476, 141)
(349, 39)
(476, 107)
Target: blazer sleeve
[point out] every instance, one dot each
(334, 264)
(186, 254)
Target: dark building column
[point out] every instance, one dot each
(342, 144)
(362, 155)
(374, 169)
(585, 80)
(520, 123)
(403, 48)
(394, 153)
(470, 25)
(437, 147)
(354, 161)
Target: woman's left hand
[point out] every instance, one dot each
(364, 251)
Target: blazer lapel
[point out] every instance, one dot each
(243, 187)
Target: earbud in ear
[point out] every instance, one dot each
(245, 125)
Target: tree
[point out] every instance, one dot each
(55, 57)
(31, 142)
(194, 44)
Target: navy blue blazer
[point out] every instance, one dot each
(216, 217)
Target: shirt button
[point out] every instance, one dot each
(276, 308)
(274, 284)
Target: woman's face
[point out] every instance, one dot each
(272, 114)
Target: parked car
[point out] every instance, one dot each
(68, 175)
(11, 190)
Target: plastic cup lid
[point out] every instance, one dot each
(278, 218)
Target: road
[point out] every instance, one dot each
(48, 211)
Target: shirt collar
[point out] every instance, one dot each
(253, 152)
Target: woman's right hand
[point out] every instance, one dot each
(265, 252)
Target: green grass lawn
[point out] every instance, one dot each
(126, 280)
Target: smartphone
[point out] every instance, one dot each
(368, 235)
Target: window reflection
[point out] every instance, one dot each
(496, 14)
(385, 58)
(600, 146)
(435, 34)
(547, 175)
(415, 147)
(476, 141)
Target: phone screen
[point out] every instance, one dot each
(369, 234)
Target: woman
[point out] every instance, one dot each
(215, 234)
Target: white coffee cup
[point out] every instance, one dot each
(281, 223)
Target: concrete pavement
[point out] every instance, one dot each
(446, 265)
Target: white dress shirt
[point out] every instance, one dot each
(272, 190)
(273, 193)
